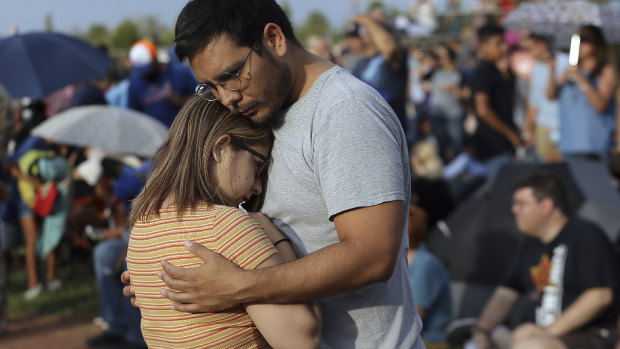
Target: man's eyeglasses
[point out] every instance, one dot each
(266, 160)
(228, 81)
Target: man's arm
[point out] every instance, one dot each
(367, 252)
(494, 313)
(482, 104)
(583, 310)
(530, 124)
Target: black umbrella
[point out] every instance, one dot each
(478, 240)
(36, 64)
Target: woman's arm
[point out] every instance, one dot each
(288, 325)
(285, 325)
(600, 95)
(275, 235)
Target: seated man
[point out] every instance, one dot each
(562, 288)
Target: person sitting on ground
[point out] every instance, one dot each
(430, 283)
(566, 271)
(211, 162)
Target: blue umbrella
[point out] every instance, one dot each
(36, 64)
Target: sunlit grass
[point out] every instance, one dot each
(78, 295)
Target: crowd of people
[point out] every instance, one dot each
(353, 153)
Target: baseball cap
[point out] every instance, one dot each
(142, 55)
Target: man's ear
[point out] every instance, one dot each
(274, 39)
(547, 205)
(218, 146)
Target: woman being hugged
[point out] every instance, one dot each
(585, 96)
(211, 162)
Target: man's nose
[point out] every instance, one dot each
(228, 98)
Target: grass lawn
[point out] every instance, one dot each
(78, 295)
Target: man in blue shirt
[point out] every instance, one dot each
(156, 89)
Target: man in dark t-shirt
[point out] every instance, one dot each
(562, 289)
(493, 99)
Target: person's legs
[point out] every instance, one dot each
(493, 164)
(133, 317)
(439, 129)
(29, 227)
(454, 130)
(105, 256)
(539, 343)
(122, 318)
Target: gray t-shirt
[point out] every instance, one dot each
(341, 147)
(444, 102)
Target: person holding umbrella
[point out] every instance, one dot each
(585, 95)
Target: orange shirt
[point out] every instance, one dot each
(225, 230)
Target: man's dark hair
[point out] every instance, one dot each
(488, 31)
(545, 185)
(539, 38)
(202, 21)
(450, 51)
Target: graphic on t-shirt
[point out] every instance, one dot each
(551, 305)
(540, 273)
(157, 93)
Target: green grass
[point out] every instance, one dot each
(78, 295)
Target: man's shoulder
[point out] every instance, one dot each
(484, 67)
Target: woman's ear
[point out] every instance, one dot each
(218, 147)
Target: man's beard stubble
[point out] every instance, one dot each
(276, 90)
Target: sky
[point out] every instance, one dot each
(68, 15)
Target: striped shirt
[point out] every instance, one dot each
(225, 230)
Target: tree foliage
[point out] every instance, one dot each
(315, 24)
(125, 34)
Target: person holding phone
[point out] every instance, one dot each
(585, 94)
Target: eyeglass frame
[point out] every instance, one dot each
(266, 159)
(203, 88)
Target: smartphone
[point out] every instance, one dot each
(573, 56)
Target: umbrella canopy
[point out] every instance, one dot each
(478, 240)
(113, 129)
(36, 64)
(561, 19)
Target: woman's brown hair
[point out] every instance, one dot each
(183, 168)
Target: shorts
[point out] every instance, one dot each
(546, 148)
(592, 338)
(25, 211)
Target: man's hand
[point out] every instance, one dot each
(127, 290)
(212, 286)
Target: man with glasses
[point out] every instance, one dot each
(561, 290)
(339, 185)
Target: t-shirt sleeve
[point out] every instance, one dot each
(357, 150)
(240, 239)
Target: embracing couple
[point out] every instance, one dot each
(338, 193)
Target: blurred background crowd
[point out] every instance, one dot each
(484, 90)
